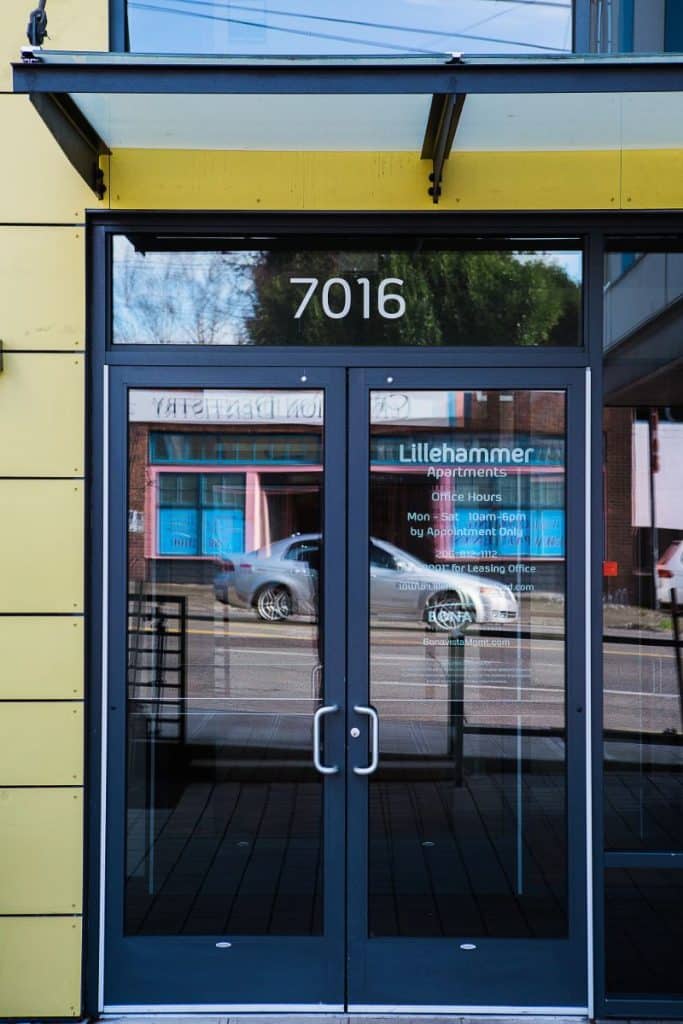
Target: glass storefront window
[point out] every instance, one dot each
(643, 622)
(224, 811)
(644, 933)
(312, 27)
(468, 831)
(643, 578)
(427, 294)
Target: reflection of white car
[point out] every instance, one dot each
(670, 573)
(282, 579)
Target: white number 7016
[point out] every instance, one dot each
(390, 305)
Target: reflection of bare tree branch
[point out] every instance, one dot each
(186, 298)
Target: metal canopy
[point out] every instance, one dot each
(93, 103)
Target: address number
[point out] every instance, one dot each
(336, 297)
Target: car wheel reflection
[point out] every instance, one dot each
(273, 603)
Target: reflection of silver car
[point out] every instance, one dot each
(282, 579)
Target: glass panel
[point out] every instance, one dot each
(305, 27)
(636, 26)
(424, 294)
(643, 569)
(468, 832)
(223, 805)
(644, 932)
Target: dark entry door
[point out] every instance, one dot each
(346, 671)
(466, 835)
(226, 803)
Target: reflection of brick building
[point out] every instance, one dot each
(200, 492)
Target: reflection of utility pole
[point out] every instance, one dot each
(653, 449)
(456, 702)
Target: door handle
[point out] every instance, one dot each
(324, 769)
(361, 709)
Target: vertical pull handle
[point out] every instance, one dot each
(361, 709)
(324, 769)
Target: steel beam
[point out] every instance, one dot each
(442, 124)
(78, 140)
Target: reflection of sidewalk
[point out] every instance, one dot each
(538, 613)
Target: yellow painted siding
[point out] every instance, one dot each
(41, 546)
(42, 401)
(41, 743)
(42, 657)
(42, 283)
(38, 185)
(41, 851)
(40, 966)
(650, 184)
(180, 179)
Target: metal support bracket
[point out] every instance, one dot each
(79, 142)
(442, 124)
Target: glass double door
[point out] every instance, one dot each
(346, 675)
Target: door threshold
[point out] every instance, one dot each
(338, 1015)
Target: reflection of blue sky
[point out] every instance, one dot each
(571, 262)
(358, 27)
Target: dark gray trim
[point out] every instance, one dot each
(638, 230)
(73, 133)
(158, 74)
(582, 19)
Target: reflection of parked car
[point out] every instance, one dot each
(282, 579)
(670, 573)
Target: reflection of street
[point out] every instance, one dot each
(236, 658)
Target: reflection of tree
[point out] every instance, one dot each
(192, 298)
(247, 298)
(452, 298)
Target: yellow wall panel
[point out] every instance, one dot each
(38, 185)
(41, 853)
(652, 180)
(71, 25)
(42, 401)
(174, 179)
(532, 181)
(209, 180)
(41, 545)
(42, 287)
(41, 743)
(40, 967)
(42, 657)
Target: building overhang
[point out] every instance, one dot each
(95, 104)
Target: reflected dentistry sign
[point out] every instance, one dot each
(421, 408)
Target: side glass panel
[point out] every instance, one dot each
(223, 805)
(468, 829)
(312, 27)
(643, 569)
(420, 293)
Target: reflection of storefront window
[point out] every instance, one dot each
(200, 514)
(189, 448)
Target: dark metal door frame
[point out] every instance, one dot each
(401, 973)
(302, 972)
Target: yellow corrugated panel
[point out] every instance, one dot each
(42, 657)
(38, 185)
(652, 180)
(72, 25)
(41, 743)
(40, 966)
(41, 854)
(42, 401)
(41, 545)
(42, 287)
(175, 179)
